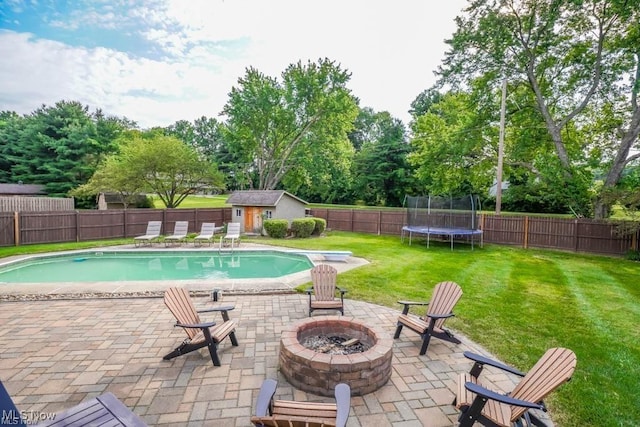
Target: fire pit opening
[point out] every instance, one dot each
(318, 353)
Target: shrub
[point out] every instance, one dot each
(633, 255)
(303, 227)
(320, 226)
(276, 228)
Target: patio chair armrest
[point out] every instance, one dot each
(267, 390)
(309, 291)
(204, 325)
(413, 303)
(481, 360)
(220, 308)
(343, 403)
(441, 316)
(408, 304)
(502, 398)
(341, 290)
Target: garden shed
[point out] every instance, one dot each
(251, 207)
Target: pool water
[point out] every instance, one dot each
(133, 266)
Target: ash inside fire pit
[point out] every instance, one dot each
(334, 344)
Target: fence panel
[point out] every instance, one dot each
(555, 233)
(48, 227)
(603, 237)
(96, 225)
(35, 204)
(365, 221)
(391, 222)
(7, 229)
(506, 230)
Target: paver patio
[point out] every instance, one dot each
(55, 354)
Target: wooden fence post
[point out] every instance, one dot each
(77, 219)
(526, 232)
(16, 229)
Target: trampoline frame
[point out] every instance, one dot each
(428, 220)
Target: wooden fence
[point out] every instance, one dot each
(33, 204)
(580, 235)
(23, 228)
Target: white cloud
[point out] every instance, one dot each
(391, 49)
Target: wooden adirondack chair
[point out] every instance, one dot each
(199, 334)
(444, 298)
(322, 296)
(103, 410)
(479, 403)
(289, 413)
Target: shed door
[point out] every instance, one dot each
(249, 218)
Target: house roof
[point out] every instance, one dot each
(259, 198)
(22, 189)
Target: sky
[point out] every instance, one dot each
(159, 61)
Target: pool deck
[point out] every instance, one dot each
(55, 354)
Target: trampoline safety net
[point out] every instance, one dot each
(443, 216)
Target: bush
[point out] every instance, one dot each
(303, 227)
(276, 228)
(320, 226)
(633, 255)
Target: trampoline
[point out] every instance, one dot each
(445, 217)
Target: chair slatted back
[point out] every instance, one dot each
(233, 229)
(280, 421)
(553, 369)
(181, 228)
(324, 279)
(179, 303)
(153, 228)
(445, 297)
(207, 229)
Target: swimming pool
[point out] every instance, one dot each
(124, 266)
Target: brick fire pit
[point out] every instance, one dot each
(319, 373)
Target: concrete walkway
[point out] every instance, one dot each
(55, 354)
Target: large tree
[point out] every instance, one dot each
(273, 125)
(382, 176)
(154, 163)
(577, 58)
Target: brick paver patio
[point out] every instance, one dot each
(55, 354)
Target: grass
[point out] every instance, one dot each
(516, 303)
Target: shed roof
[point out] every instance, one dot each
(259, 197)
(22, 189)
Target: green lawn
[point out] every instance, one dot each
(516, 303)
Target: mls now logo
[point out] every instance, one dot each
(22, 418)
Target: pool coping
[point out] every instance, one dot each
(147, 288)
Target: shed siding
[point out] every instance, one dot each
(289, 209)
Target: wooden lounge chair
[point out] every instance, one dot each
(479, 403)
(199, 334)
(289, 413)
(232, 237)
(322, 296)
(104, 410)
(207, 232)
(180, 231)
(444, 298)
(151, 235)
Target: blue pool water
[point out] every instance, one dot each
(139, 265)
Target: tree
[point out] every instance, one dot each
(154, 163)
(453, 152)
(274, 125)
(574, 56)
(382, 175)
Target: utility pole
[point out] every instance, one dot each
(501, 148)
